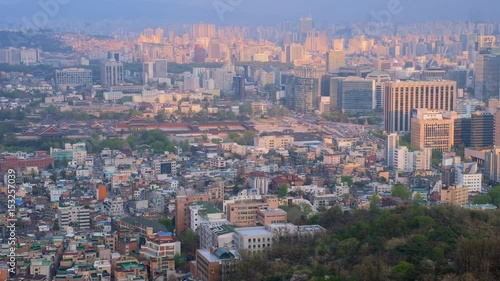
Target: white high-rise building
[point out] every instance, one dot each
(392, 143)
(411, 161)
(112, 73)
(468, 175)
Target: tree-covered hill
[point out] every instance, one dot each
(408, 243)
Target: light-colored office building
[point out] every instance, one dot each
(253, 239)
(432, 129)
(402, 97)
(74, 77)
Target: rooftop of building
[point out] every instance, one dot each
(157, 227)
(272, 211)
(480, 207)
(206, 208)
(223, 229)
(251, 231)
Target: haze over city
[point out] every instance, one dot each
(257, 12)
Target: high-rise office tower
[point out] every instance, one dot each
(334, 60)
(338, 44)
(305, 92)
(203, 30)
(214, 50)
(496, 131)
(239, 87)
(148, 71)
(432, 129)
(482, 129)
(392, 142)
(306, 25)
(114, 56)
(460, 76)
(293, 52)
(492, 165)
(487, 76)
(316, 41)
(475, 130)
(336, 93)
(111, 73)
(380, 79)
(200, 54)
(160, 68)
(358, 95)
(484, 43)
(462, 131)
(402, 97)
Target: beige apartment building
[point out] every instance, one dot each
(431, 129)
(455, 195)
(273, 141)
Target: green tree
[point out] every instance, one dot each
(400, 191)
(161, 116)
(167, 223)
(418, 198)
(494, 193)
(247, 138)
(403, 271)
(282, 190)
(189, 240)
(233, 136)
(374, 201)
(246, 109)
(482, 199)
(346, 180)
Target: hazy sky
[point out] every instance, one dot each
(255, 11)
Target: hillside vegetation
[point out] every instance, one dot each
(408, 243)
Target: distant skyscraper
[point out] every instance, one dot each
(148, 71)
(239, 87)
(160, 68)
(358, 95)
(484, 43)
(306, 25)
(392, 142)
(334, 60)
(111, 73)
(316, 41)
(492, 165)
(380, 79)
(214, 50)
(203, 30)
(402, 97)
(200, 54)
(338, 44)
(336, 93)
(476, 130)
(114, 56)
(487, 76)
(305, 92)
(294, 52)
